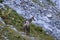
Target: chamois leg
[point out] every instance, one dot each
(24, 29)
(28, 30)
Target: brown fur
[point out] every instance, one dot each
(26, 25)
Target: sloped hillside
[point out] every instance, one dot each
(12, 28)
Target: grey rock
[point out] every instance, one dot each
(27, 8)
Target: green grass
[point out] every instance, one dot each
(51, 3)
(12, 18)
(1, 1)
(41, 4)
(38, 2)
(11, 34)
(37, 31)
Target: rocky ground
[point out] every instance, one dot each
(47, 13)
(11, 27)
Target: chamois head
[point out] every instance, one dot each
(31, 19)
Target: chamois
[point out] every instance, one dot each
(26, 25)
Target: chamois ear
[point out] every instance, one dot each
(33, 18)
